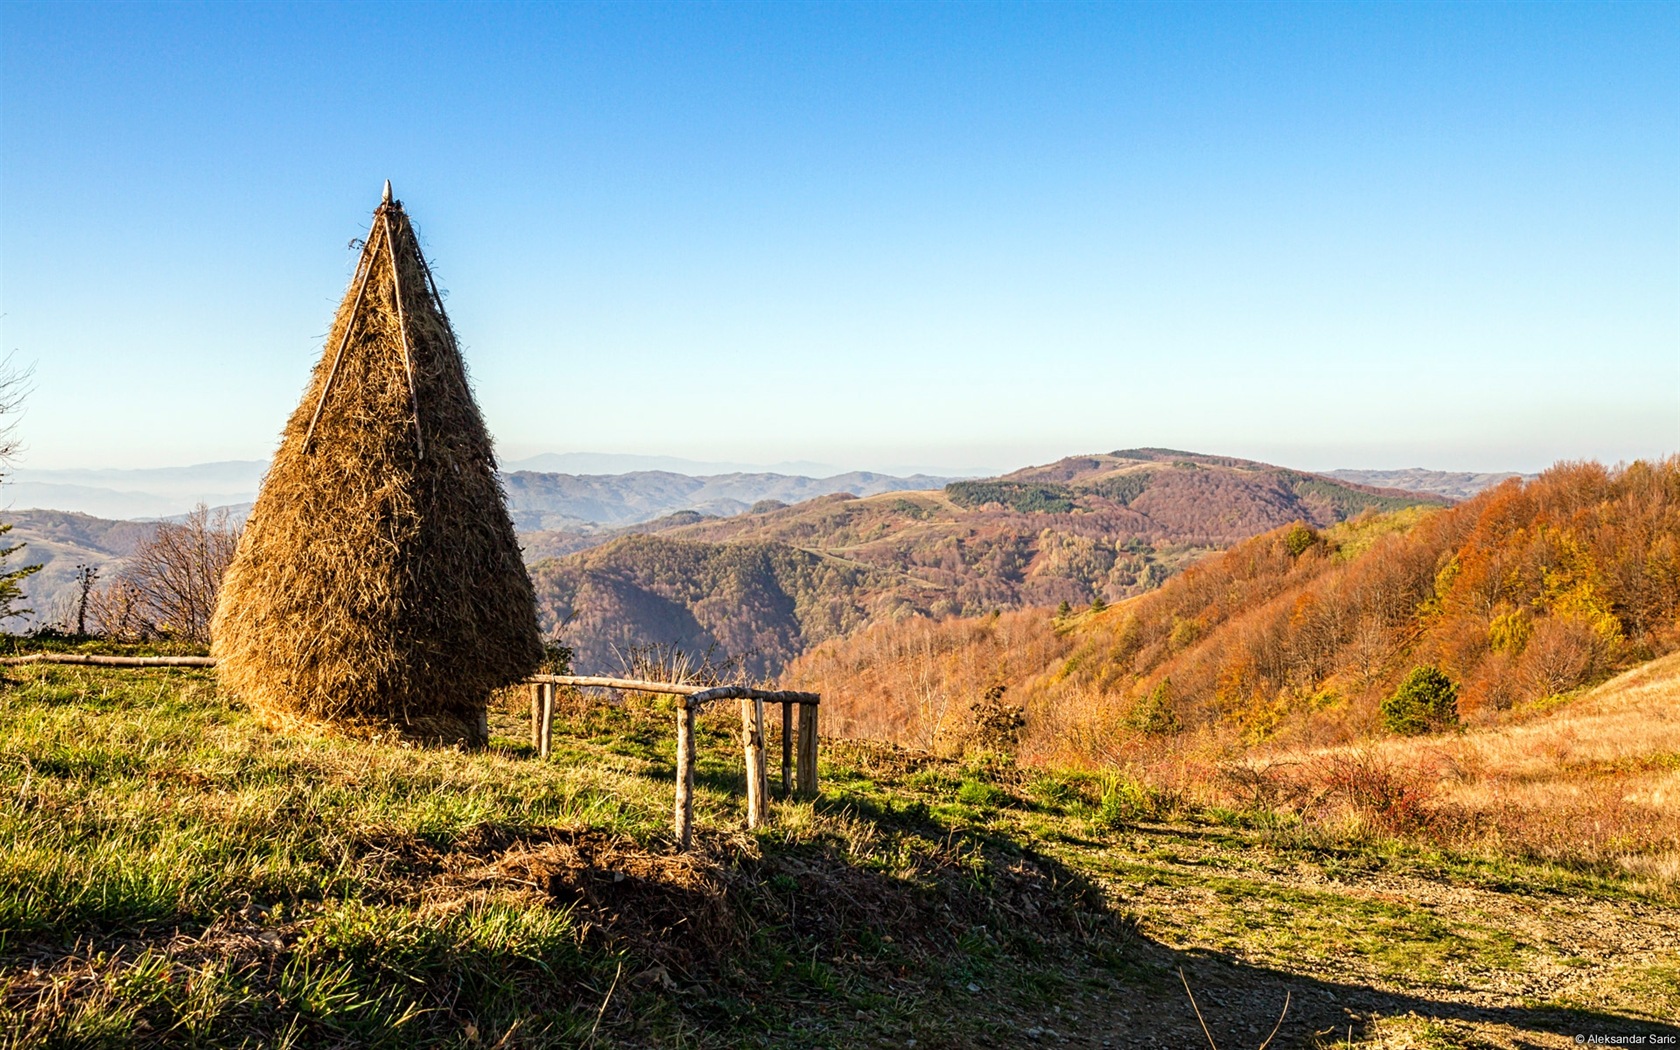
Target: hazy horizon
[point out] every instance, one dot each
(634, 461)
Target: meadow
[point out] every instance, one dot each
(174, 873)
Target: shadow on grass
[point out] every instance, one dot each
(1029, 912)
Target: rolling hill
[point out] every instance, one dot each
(660, 557)
(1292, 638)
(556, 514)
(60, 543)
(1084, 528)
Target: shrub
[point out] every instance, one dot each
(1154, 713)
(1299, 539)
(981, 795)
(997, 725)
(1562, 654)
(1510, 632)
(1427, 700)
(1394, 798)
(1053, 792)
(1127, 800)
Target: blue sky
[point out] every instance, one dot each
(872, 236)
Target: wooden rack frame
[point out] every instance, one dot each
(798, 769)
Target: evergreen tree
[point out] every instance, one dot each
(10, 592)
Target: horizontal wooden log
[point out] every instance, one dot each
(697, 694)
(741, 692)
(632, 684)
(89, 659)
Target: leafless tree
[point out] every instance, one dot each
(14, 386)
(169, 586)
(119, 611)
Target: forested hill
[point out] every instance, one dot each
(767, 584)
(1517, 597)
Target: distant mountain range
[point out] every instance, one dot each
(156, 492)
(1453, 484)
(768, 563)
(571, 501)
(607, 487)
(624, 463)
(767, 584)
(559, 513)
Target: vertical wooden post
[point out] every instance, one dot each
(763, 765)
(787, 748)
(808, 750)
(536, 715)
(547, 742)
(752, 740)
(685, 773)
(482, 725)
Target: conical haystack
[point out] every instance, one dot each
(378, 584)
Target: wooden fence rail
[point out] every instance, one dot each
(800, 780)
(87, 659)
(798, 767)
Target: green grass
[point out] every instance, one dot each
(174, 873)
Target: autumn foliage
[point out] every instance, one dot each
(1297, 636)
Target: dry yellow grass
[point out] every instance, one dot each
(1596, 778)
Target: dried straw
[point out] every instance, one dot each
(378, 584)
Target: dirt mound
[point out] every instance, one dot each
(691, 912)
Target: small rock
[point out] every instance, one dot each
(972, 987)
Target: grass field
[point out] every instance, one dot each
(172, 873)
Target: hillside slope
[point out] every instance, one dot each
(1082, 528)
(1086, 527)
(173, 873)
(1526, 592)
(60, 543)
(759, 603)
